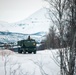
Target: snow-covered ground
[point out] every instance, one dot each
(41, 63)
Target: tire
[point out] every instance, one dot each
(34, 52)
(29, 52)
(19, 51)
(24, 52)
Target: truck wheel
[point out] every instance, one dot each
(24, 52)
(29, 52)
(19, 51)
(34, 52)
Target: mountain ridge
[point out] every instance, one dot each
(36, 25)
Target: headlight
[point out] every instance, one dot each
(34, 44)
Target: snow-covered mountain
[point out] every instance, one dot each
(36, 25)
(9, 37)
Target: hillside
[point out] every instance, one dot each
(36, 25)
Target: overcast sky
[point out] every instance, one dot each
(16, 10)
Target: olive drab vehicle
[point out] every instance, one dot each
(28, 45)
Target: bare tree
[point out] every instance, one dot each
(51, 38)
(57, 9)
(64, 12)
(40, 65)
(10, 67)
(72, 24)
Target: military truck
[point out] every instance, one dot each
(28, 45)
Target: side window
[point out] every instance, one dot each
(28, 41)
(32, 41)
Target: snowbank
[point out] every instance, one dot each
(6, 52)
(29, 64)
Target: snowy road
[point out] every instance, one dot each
(41, 63)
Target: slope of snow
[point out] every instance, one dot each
(37, 22)
(29, 64)
(36, 25)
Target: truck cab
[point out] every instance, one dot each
(28, 45)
